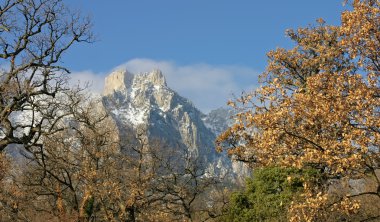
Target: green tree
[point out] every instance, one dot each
(268, 194)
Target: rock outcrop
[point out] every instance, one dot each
(145, 101)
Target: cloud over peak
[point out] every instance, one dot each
(207, 86)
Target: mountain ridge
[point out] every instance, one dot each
(145, 101)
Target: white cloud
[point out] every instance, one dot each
(207, 86)
(95, 81)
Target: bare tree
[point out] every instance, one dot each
(84, 172)
(184, 186)
(34, 35)
(75, 169)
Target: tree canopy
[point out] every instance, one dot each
(268, 194)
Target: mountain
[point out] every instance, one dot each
(218, 120)
(144, 101)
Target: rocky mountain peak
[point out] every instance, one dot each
(118, 80)
(144, 101)
(154, 77)
(122, 80)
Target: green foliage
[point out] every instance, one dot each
(268, 194)
(89, 206)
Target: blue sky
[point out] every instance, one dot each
(219, 45)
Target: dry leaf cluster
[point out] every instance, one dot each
(318, 106)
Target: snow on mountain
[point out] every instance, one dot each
(145, 101)
(218, 120)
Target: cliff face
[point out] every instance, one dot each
(145, 101)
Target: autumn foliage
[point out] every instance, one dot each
(318, 107)
(317, 110)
